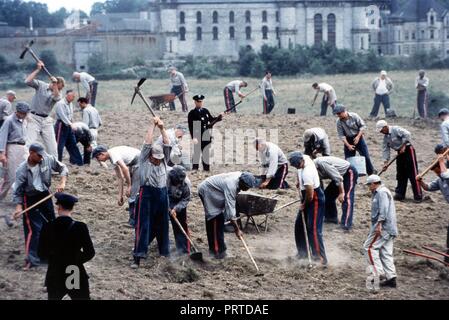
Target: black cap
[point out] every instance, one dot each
(65, 199)
(443, 112)
(198, 97)
(38, 148)
(440, 148)
(99, 149)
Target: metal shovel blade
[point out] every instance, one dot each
(141, 81)
(197, 256)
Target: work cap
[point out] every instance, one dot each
(11, 93)
(380, 125)
(443, 112)
(181, 127)
(99, 149)
(373, 179)
(339, 108)
(198, 97)
(157, 152)
(171, 68)
(65, 198)
(22, 106)
(383, 73)
(295, 158)
(177, 175)
(38, 148)
(440, 148)
(249, 179)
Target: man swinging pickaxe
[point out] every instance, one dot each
(137, 92)
(28, 49)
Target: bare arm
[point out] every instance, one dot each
(309, 194)
(34, 74)
(118, 173)
(150, 132)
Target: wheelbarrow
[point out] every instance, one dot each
(250, 205)
(162, 101)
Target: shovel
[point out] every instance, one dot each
(195, 256)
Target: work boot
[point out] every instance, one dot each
(425, 198)
(221, 255)
(389, 283)
(136, 263)
(398, 197)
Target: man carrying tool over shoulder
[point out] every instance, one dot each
(40, 123)
(350, 129)
(231, 88)
(313, 207)
(379, 244)
(89, 84)
(274, 165)
(126, 165)
(33, 181)
(179, 88)
(329, 96)
(440, 183)
(398, 139)
(218, 196)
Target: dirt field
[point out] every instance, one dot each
(234, 278)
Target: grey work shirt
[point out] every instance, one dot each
(91, 117)
(442, 184)
(219, 194)
(351, 126)
(332, 168)
(43, 99)
(178, 80)
(271, 159)
(5, 108)
(25, 182)
(234, 86)
(383, 211)
(445, 132)
(151, 175)
(421, 84)
(64, 111)
(12, 131)
(395, 139)
(178, 196)
(85, 80)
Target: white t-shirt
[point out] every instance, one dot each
(382, 87)
(309, 175)
(127, 154)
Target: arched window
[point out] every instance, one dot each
(182, 34)
(331, 29)
(199, 34)
(231, 17)
(182, 17)
(248, 33)
(432, 20)
(198, 17)
(231, 33)
(215, 33)
(248, 16)
(264, 32)
(215, 17)
(318, 24)
(264, 16)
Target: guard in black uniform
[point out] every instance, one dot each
(200, 125)
(66, 244)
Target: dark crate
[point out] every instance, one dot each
(251, 204)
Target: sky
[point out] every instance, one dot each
(54, 5)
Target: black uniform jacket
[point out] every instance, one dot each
(65, 242)
(203, 115)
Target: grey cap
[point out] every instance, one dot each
(22, 106)
(249, 179)
(157, 152)
(10, 93)
(171, 68)
(181, 127)
(99, 149)
(373, 179)
(38, 148)
(339, 108)
(295, 158)
(440, 148)
(443, 112)
(380, 125)
(177, 175)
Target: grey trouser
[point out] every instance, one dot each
(43, 128)
(15, 155)
(379, 254)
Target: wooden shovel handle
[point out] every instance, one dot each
(433, 163)
(17, 215)
(249, 253)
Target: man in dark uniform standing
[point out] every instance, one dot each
(66, 244)
(200, 125)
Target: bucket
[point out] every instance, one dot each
(359, 163)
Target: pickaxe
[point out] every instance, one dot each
(28, 49)
(137, 92)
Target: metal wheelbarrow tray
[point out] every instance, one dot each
(162, 100)
(251, 205)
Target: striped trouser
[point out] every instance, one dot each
(229, 100)
(407, 169)
(379, 254)
(15, 155)
(278, 181)
(422, 102)
(349, 182)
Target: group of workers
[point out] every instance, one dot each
(158, 189)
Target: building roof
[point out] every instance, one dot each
(416, 10)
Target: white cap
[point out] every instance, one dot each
(374, 178)
(380, 125)
(383, 73)
(11, 93)
(157, 152)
